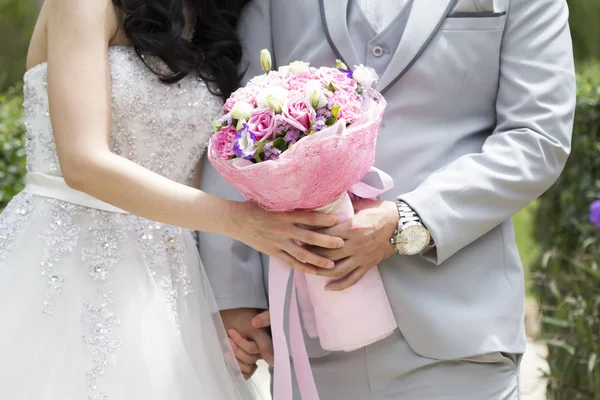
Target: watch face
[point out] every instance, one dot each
(413, 240)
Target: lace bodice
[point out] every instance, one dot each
(163, 127)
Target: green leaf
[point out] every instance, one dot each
(259, 151)
(331, 88)
(556, 322)
(280, 144)
(331, 121)
(335, 111)
(216, 126)
(592, 362)
(559, 343)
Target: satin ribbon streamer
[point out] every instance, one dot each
(279, 275)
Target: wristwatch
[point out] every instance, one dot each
(411, 237)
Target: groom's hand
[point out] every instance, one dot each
(366, 242)
(249, 342)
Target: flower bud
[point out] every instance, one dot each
(265, 60)
(339, 64)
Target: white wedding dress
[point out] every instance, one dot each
(96, 303)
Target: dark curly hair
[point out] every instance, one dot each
(213, 52)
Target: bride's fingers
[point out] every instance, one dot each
(295, 264)
(303, 256)
(246, 345)
(314, 219)
(317, 239)
(241, 355)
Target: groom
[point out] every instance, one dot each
(481, 96)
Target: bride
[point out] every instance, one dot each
(102, 294)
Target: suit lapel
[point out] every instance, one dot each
(426, 17)
(334, 14)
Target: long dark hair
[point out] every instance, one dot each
(213, 52)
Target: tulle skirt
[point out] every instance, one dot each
(105, 306)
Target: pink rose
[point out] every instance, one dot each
(350, 105)
(262, 123)
(278, 78)
(298, 82)
(339, 79)
(223, 142)
(297, 112)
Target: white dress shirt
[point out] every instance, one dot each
(381, 13)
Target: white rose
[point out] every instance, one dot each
(365, 76)
(298, 67)
(273, 97)
(315, 94)
(242, 110)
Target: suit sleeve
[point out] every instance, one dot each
(530, 145)
(235, 270)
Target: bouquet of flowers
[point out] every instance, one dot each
(304, 138)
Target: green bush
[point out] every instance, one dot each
(17, 18)
(567, 275)
(12, 144)
(584, 17)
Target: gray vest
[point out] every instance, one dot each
(373, 49)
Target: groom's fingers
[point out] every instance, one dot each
(348, 281)
(262, 320)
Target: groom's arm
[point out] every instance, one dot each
(530, 145)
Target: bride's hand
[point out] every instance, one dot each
(277, 234)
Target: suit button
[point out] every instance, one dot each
(378, 51)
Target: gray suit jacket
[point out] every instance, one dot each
(481, 97)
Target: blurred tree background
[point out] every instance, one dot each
(17, 18)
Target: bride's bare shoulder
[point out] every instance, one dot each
(67, 12)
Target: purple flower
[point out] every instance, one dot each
(281, 125)
(292, 136)
(319, 124)
(271, 153)
(348, 72)
(595, 213)
(245, 143)
(324, 112)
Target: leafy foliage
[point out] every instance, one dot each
(567, 275)
(584, 17)
(17, 18)
(12, 144)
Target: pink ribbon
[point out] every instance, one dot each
(371, 328)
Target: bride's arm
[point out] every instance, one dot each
(79, 32)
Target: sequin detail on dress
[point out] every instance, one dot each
(99, 322)
(13, 221)
(161, 246)
(60, 236)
